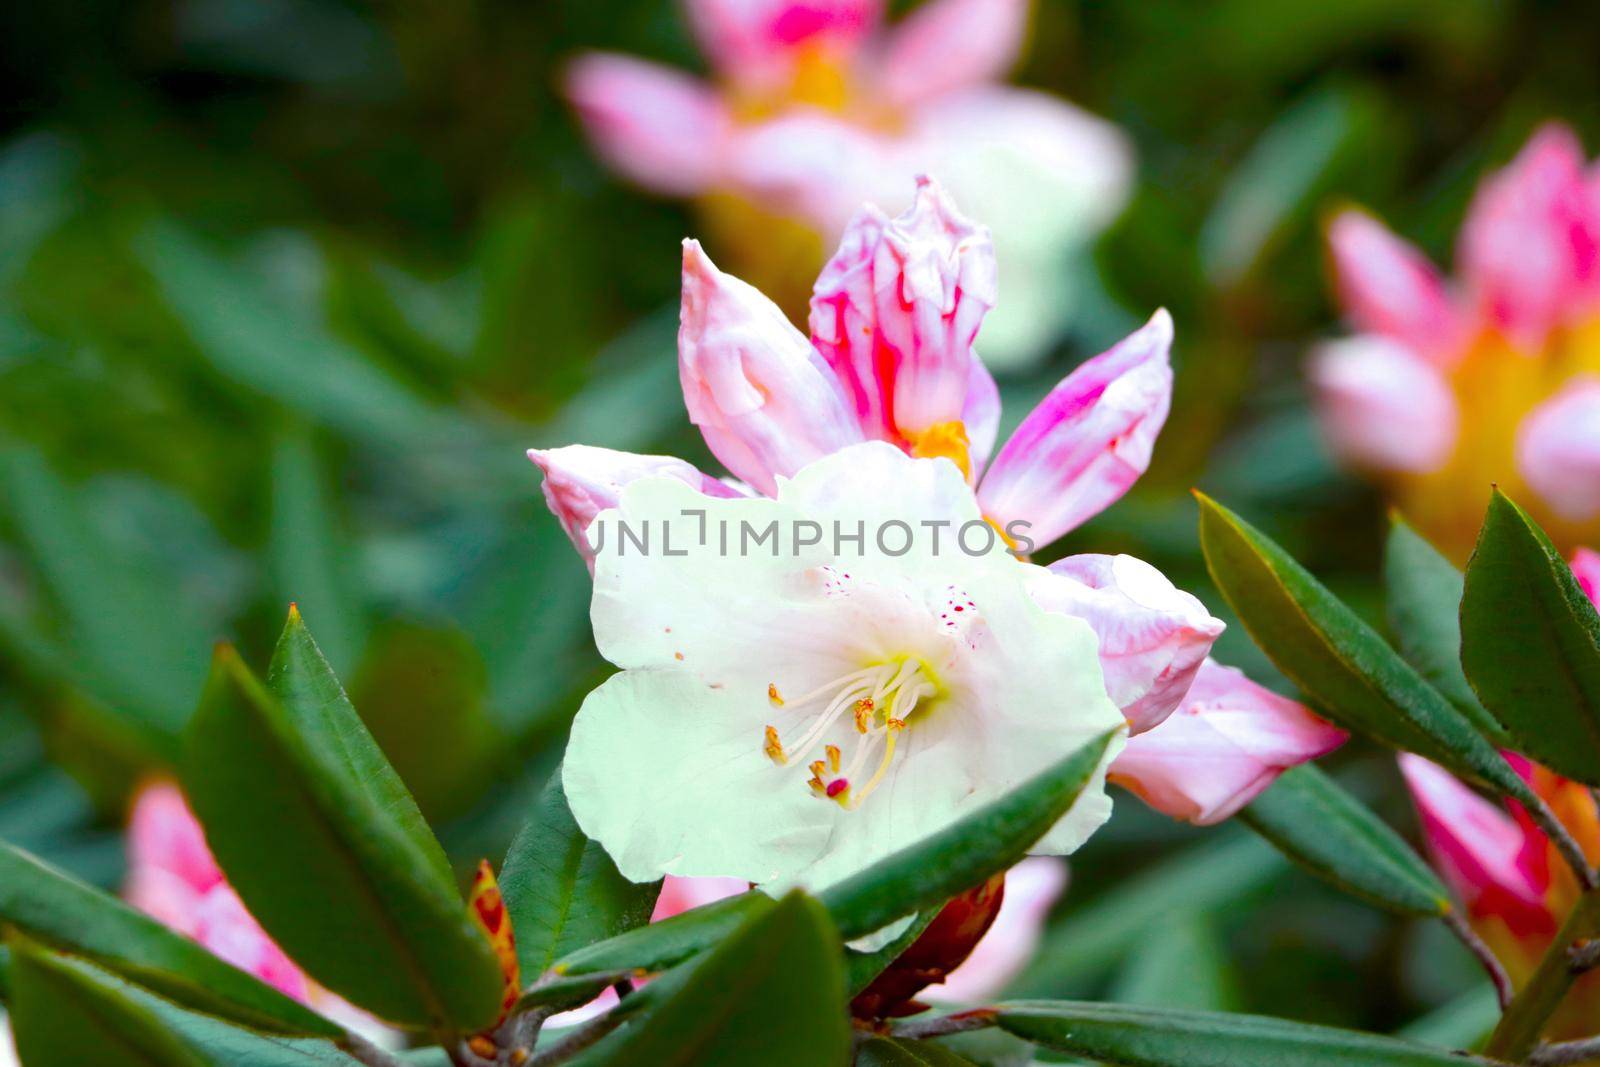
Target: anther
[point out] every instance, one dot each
(773, 694)
(773, 747)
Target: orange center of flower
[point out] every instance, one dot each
(946, 439)
(1496, 386)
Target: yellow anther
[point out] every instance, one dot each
(864, 708)
(773, 747)
(833, 758)
(773, 694)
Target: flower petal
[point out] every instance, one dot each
(1388, 287)
(1383, 407)
(1477, 847)
(661, 128)
(766, 402)
(756, 41)
(232, 934)
(981, 416)
(581, 481)
(896, 310)
(946, 45)
(1586, 568)
(1153, 636)
(1088, 441)
(1530, 248)
(1558, 449)
(1032, 889)
(164, 836)
(1225, 744)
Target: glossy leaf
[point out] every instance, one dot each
(326, 847)
(1163, 1037)
(891, 1052)
(772, 993)
(660, 945)
(969, 851)
(1424, 601)
(1337, 660)
(55, 909)
(70, 1012)
(1530, 643)
(562, 890)
(1330, 833)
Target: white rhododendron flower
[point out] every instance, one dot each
(789, 712)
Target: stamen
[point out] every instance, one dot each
(883, 769)
(863, 714)
(773, 694)
(773, 747)
(833, 758)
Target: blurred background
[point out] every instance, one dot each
(288, 286)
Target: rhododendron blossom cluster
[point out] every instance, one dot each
(1496, 379)
(817, 108)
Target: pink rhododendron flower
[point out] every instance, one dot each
(818, 108)
(1225, 744)
(1516, 889)
(1447, 389)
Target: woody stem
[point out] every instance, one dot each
(1524, 1020)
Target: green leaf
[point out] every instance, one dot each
(1424, 601)
(890, 1052)
(55, 909)
(1185, 967)
(1163, 1037)
(772, 993)
(1530, 643)
(1334, 836)
(327, 849)
(969, 851)
(561, 889)
(663, 944)
(1337, 660)
(69, 1013)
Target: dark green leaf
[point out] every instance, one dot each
(1336, 659)
(1331, 834)
(966, 853)
(1424, 601)
(862, 967)
(889, 1052)
(328, 850)
(562, 890)
(1159, 1037)
(662, 944)
(70, 1012)
(772, 993)
(55, 909)
(1530, 643)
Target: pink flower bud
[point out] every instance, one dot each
(754, 41)
(1226, 743)
(1088, 441)
(1390, 288)
(1153, 636)
(946, 45)
(231, 933)
(1558, 450)
(1383, 407)
(896, 310)
(581, 481)
(164, 838)
(1586, 568)
(765, 401)
(663, 129)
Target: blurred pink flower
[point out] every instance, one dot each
(818, 108)
(1032, 889)
(173, 879)
(1447, 389)
(1228, 741)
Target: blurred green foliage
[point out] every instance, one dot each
(286, 286)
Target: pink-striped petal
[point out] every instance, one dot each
(1153, 636)
(1478, 848)
(231, 933)
(662, 129)
(1558, 449)
(1388, 287)
(1530, 248)
(765, 401)
(981, 415)
(896, 311)
(946, 45)
(1032, 889)
(1383, 407)
(581, 481)
(165, 837)
(1227, 742)
(754, 42)
(1087, 442)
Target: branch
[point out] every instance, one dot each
(580, 1039)
(1584, 957)
(1566, 1053)
(1514, 1039)
(1503, 990)
(359, 1048)
(960, 1023)
(1562, 838)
